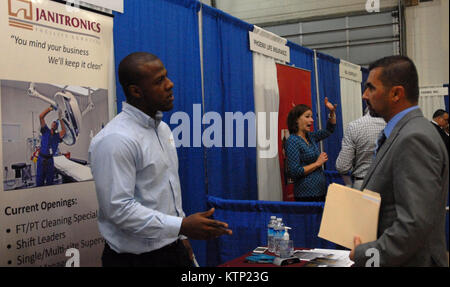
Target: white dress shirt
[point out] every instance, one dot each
(135, 167)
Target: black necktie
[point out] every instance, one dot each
(380, 141)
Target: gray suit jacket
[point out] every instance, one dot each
(411, 174)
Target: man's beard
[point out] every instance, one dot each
(372, 112)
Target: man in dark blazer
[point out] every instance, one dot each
(440, 122)
(410, 172)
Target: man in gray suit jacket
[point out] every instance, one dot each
(410, 172)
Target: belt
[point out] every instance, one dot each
(171, 245)
(357, 178)
(47, 156)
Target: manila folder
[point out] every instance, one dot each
(349, 212)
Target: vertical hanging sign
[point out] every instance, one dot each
(53, 99)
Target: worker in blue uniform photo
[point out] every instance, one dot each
(50, 139)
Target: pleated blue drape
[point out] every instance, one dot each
(330, 87)
(169, 29)
(228, 82)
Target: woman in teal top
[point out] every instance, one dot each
(304, 158)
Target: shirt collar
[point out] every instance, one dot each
(142, 117)
(393, 122)
(435, 123)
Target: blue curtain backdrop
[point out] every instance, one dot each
(330, 87)
(169, 29)
(228, 80)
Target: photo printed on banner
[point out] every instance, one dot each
(46, 132)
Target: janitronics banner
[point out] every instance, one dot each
(53, 99)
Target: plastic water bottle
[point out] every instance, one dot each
(279, 232)
(270, 233)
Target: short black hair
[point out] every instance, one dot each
(293, 115)
(130, 69)
(439, 113)
(399, 71)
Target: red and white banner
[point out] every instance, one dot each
(294, 88)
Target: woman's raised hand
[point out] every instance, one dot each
(329, 105)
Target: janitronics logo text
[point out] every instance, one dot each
(75, 22)
(21, 14)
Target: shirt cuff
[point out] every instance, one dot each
(172, 225)
(330, 127)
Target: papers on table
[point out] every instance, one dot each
(308, 255)
(324, 257)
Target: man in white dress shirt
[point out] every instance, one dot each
(135, 167)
